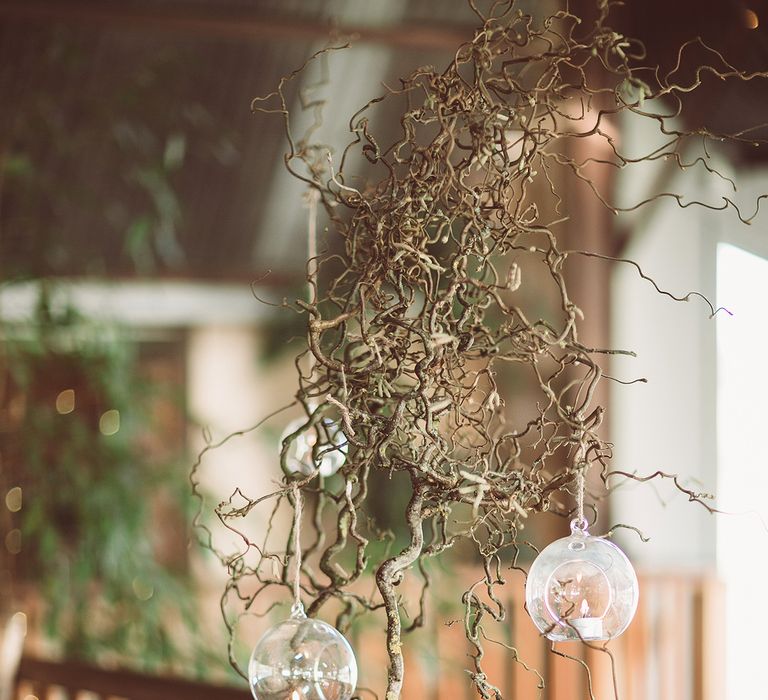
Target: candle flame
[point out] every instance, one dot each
(584, 609)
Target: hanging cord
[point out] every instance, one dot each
(298, 506)
(311, 198)
(580, 489)
(581, 465)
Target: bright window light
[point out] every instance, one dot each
(742, 422)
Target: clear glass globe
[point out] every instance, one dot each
(581, 588)
(322, 447)
(302, 659)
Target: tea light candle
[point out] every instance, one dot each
(588, 627)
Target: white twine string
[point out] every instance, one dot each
(581, 487)
(311, 198)
(298, 506)
(580, 490)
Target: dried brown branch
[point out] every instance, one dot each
(422, 304)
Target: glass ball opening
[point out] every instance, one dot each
(581, 588)
(302, 659)
(322, 447)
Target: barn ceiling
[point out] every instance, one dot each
(127, 143)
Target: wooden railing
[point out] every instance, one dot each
(46, 680)
(672, 651)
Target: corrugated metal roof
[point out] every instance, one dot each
(129, 147)
(132, 150)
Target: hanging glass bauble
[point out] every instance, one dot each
(581, 588)
(302, 659)
(318, 448)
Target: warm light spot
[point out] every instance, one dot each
(751, 20)
(31, 697)
(17, 407)
(141, 589)
(13, 499)
(13, 541)
(65, 401)
(109, 423)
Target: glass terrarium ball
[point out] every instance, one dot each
(302, 659)
(581, 588)
(322, 447)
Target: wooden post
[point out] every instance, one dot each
(709, 640)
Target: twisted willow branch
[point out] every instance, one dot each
(424, 305)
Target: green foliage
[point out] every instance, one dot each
(90, 495)
(103, 179)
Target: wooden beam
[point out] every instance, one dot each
(213, 21)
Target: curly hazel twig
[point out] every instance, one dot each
(424, 305)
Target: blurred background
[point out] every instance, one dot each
(143, 208)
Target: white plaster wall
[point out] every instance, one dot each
(667, 424)
(670, 424)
